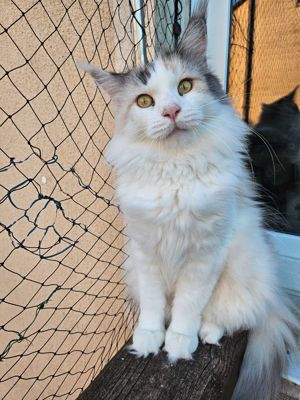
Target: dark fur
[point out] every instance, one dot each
(215, 87)
(279, 126)
(144, 73)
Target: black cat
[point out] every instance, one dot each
(275, 155)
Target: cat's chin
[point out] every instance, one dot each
(176, 132)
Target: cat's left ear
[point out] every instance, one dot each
(111, 82)
(194, 40)
(292, 94)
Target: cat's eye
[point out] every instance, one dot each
(144, 101)
(185, 86)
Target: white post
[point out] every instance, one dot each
(218, 34)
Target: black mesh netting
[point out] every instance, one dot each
(63, 308)
(264, 54)
(264, 68)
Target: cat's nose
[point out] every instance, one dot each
(171, 112)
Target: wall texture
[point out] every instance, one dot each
(276, 53)
(63, 311)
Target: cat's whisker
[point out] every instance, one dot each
(250, 163)
(210, 127)
(217, 100)
(270, 149)
(225, 144)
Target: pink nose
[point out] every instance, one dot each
(171, 111)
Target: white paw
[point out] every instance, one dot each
(145, 342)
(211, 334)
(178, 345)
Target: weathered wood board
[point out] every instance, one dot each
(211, 375)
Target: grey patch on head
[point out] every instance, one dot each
(167, 54)
(170, 57)
(122, 76)
(215, 88)
(144, 73)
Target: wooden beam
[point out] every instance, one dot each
(211, 375)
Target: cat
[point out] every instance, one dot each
(200, 263)
(277, 168)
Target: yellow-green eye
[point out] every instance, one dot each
(185, 86)
(144, 101)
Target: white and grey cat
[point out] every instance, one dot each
(200, 263)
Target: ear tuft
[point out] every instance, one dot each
(91, 69)
(200, 9)
(292, 94)
(111, 82)
(194, 40)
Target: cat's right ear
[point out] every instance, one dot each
(194, 40)
(111, 82)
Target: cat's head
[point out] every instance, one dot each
(170, 99)
(281, 110)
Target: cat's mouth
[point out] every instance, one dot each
(177, 130)
(172, 131)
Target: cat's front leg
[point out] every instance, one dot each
(149, 333)
(193, 290)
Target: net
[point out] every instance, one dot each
(63, 310)
(264, 54)
(264, 69)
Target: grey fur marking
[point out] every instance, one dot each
(144, 73)
(122, 76)
(215, 88)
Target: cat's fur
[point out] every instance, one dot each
(277, 169)
(200, 261)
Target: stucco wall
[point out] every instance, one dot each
(276, 55)
(61, 245)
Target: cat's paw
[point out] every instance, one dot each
(145, 342)
(211, 334)
(178, 345)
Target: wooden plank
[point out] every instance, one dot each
(211, 375)
(286, 397)
(289, 390)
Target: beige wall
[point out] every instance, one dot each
(55, 114)
(276, 57)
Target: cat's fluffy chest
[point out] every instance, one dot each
(175, 213)
(174, 192)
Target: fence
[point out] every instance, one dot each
(264, 53)
(264, 67)
(63, 310)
